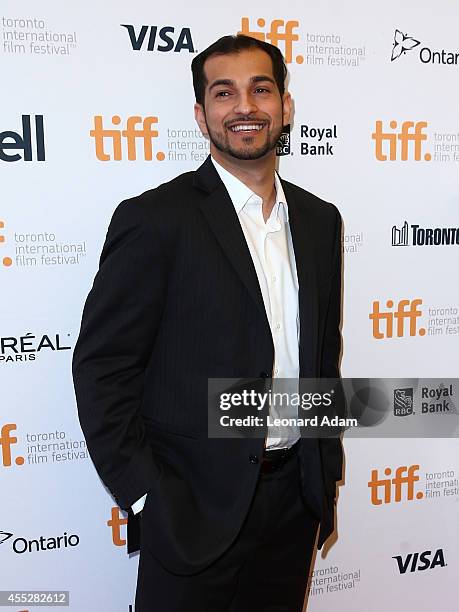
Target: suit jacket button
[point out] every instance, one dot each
(253, 459)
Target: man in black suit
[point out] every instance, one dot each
(226, 272)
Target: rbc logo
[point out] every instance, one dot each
(168, 40)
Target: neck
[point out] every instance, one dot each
(257, 174)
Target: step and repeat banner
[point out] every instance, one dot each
(97, 106)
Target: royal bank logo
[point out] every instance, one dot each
(415, 235)
(418, 562)
(162, 39)
(403, 401)
(283, 144)
(402, 44)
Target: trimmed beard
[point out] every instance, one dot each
(221, 142)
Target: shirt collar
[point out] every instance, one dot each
(240, 194)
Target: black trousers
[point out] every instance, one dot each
(264, 570)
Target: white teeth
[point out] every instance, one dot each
(245, 128)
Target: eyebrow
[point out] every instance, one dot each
(255, 79)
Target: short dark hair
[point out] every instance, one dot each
(235, 44)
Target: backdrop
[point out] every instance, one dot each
(97, 106)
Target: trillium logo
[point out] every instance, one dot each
(402, 44)
(4, 536)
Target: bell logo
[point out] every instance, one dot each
(131, 134)
(418, 562)
(393, 488)
(409, 132)
(116, 521)
(166, 36)
(406, 309)
(6, 442)
(24, 141)
(279, 31)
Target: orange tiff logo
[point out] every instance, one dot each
(279, 31)
(383, 322)
(396, 489)
(399, 141)
(6, 261)
(109, 141)
(6, 442)
(115, 522)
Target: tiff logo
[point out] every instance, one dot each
(410, 132)
(406, 309)
(396, 489)
(115, 522)
(6, 442)
(279, 31)
(131, 134)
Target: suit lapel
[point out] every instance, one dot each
(303, 246)
(224, 223)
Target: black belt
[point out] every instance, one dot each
(275, 459)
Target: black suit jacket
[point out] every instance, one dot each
(176, 301)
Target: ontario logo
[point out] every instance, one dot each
(23, 545)
(404, 43)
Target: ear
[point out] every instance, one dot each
(200, 116)
(286, 107)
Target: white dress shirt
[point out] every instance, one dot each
(270, 245)
(271, 248)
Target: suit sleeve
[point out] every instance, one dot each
(119, 324)
(331, 448)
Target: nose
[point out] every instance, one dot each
(245, 104)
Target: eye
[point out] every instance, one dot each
(222, 94)
(262, 90)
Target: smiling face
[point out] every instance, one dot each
(243, 112)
